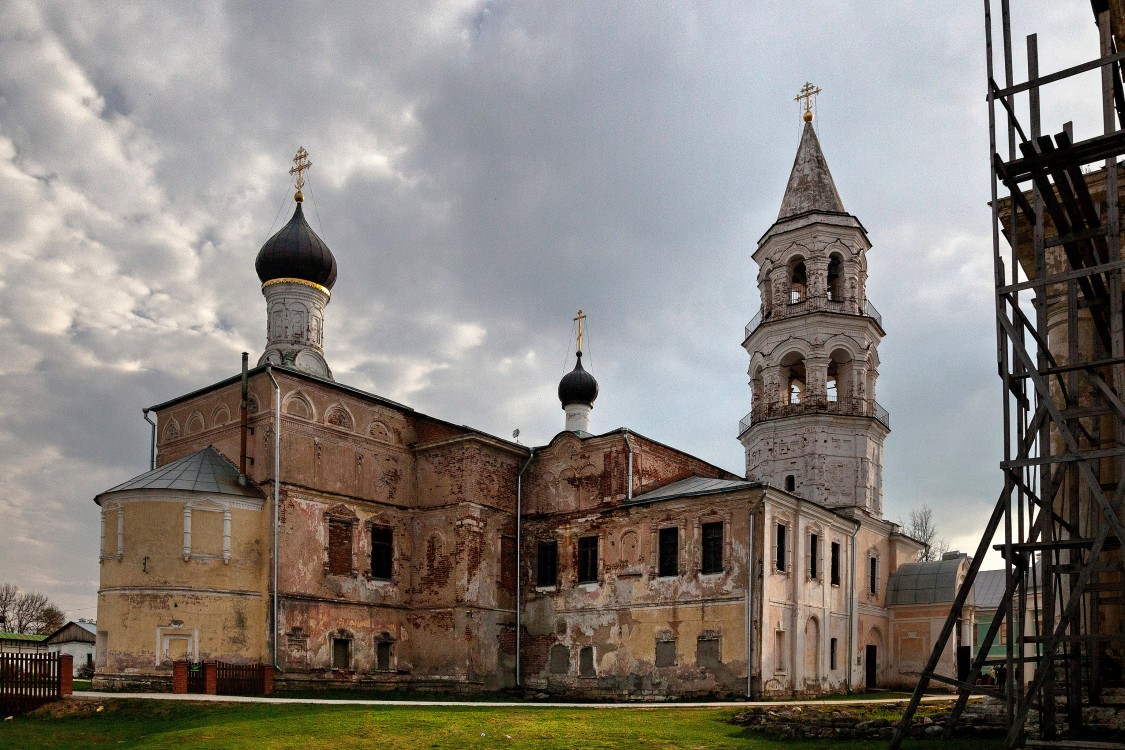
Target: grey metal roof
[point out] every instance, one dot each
(695, 486)
(202, 471)
(925, 582)
(988, 588)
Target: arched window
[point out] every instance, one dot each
(835, 282)
(798, 281)
(793, 378)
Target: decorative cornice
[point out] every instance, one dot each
(302, 282)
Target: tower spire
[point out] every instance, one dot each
(810, 187)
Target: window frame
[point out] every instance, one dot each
(379, 565)
(834, 564)
(813, 562)
(872, 574)
(587, 569)
(711, 562)
(553, 569)
(781, 547)
(668, 557)
(347, 528)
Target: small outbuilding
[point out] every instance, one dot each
(77, 639)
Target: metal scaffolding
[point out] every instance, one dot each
(1060, 355)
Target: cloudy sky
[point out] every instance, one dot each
(482, 170)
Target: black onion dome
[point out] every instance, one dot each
(296, 252)
(578, 386)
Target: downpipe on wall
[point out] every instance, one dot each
(852, 616)
(152, 445)
(519, 563)
(750, 607)
(276, 498)
(629, 447)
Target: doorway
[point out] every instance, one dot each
(871, 663)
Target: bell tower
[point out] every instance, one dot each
(814, 428)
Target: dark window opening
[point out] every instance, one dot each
(547, 564)
(707, 653)
(508, 563)
(872, 575)
(588, 559)
(669, 551)
(832, 654)
(341, 653)
(339, 548)
(798, 284)
(382, 552)
(713, 547)
(779, 548)
(834, 265)
(383, 656)
(814, 556)
(835, 564)
(790, 483)
(559, 662)
(586, 662)
(665, 653)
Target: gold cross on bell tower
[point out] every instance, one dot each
(808, 92)
(301, 163)
(581, 317)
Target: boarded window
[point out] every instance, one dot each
(586, 662)
(669, 551)
(383, 656)
(713, 547)
(588, 559)
(207, 532)
(341, 653)
(665, 653)
(707, 653)
(508, 563)
(835, 563)
(560, 659)
(547, 564)
(382, 552)
(779, 545)
(339, 547)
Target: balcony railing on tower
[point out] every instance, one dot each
(851, 407)
(815, 304)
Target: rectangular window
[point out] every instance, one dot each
(713, 547)
(383, 656)
(588, 559)
(341, 656)
(508, 563)
(559, 662)
(707, 654)
(872, 575)
(547, 564)
(665, 653)
(339, 548)
(835, 563)
(832, 654)
(669, 552)
(779, 551)
(814, 556)
(382, 552)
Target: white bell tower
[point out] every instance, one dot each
(814, 428)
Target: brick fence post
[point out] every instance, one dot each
(179, 677)
(210, 677)
(66, 674)
(267, 679)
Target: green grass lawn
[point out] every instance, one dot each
(181, 726)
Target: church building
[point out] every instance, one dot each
(348, 539)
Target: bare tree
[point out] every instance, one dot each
(920, 525)
(28, 612)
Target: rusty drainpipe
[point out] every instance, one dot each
(629, 446)
(276, 496)
(242, 424)
(152, 446)
(519, 566)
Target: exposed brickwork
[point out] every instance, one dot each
(210, 678)
(180, 678)
(66, 674)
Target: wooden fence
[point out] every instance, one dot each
(221, 678)
(27, 681)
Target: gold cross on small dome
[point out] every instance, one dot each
(301, 162)
(581, 317)
(808, 91)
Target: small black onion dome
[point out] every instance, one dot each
(295, 252)
(578, 386)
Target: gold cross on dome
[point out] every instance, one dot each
(808, 91)
(301, 163)
(581, 317)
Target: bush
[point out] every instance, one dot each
(86, 672)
